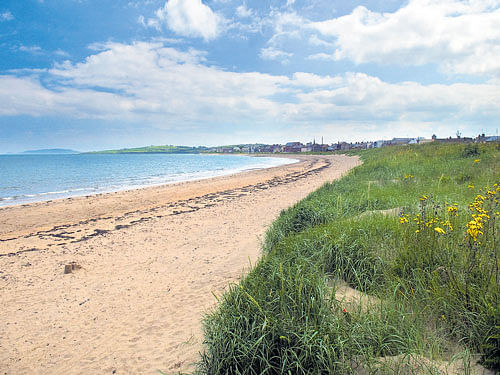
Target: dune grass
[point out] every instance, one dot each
(432, 263)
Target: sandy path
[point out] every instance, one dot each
(150, 259)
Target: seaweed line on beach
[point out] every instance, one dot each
(62, 232)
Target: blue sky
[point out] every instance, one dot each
(91, 75)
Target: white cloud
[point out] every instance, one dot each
(315, 41)
(158, 83)
(30, 49)
(314, 80)
(365, 97)
(321, 56)
(286, 22)
(286, 26)
(169, 88)
(6, 16)
(190, 18)
(243, 12)
(271, 53)
(140, 4)
(462, 37)
(26, 95)
(61, 53)
(248, 22)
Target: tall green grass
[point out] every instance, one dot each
(438, 291)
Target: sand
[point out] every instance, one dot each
(147, 264)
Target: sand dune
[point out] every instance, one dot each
(149, 261)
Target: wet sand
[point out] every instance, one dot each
(146, 265)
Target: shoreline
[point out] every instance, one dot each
(66, 194)
(147, 263)
(93, 206)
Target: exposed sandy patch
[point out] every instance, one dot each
(411, 364)
(150, 260)
(418, 365)
(389, 212)
(352, 299)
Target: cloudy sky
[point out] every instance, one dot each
(97, 74)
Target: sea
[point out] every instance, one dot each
(37, 178)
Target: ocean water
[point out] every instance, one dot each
(35, 178)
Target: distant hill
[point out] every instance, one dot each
(51, 151)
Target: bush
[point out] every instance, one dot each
(470, 150)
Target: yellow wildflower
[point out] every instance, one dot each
(447, 224)
(477, 160)
(439, 230)
(474, 229)
(430, 222)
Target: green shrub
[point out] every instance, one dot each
(471, 149)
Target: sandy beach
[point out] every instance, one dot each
(147, 264)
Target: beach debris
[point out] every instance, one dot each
(70, 267)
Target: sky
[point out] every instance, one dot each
(105, 74)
